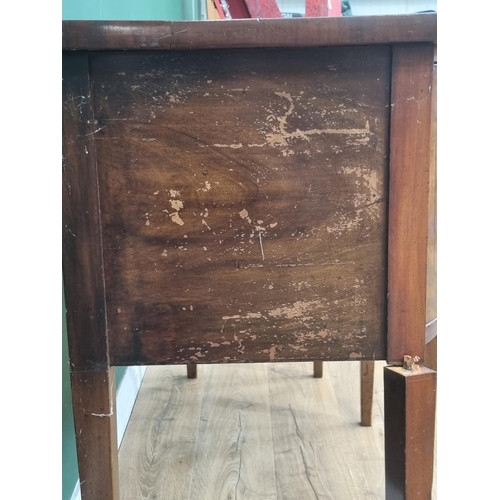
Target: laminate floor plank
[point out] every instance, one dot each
(234, 455)
(302, 427)
(156, 457)
(364, 444)
(254, 432)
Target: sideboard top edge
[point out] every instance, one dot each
(248, 33)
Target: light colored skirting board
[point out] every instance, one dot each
(125, 400)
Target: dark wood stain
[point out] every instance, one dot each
(82, 259)
(243, 199)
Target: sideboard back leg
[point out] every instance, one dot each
(94, 407)
(318, 369)
(367, 369)
(410, 409)
(192, 371)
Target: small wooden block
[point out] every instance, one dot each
(192, 371)
(318, 369)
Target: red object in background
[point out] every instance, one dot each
(219, 8)
(263, 8)
(238, 9)
(243, 9)
(323, 8)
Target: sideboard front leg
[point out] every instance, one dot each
(409, 413)
(94, 408)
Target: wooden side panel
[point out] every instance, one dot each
(408, 199)
(247, 33)
(94, 408)
(410, 406)
(82, 255)
(243, 200)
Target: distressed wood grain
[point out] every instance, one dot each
(244, 203)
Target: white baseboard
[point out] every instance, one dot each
(125, 400)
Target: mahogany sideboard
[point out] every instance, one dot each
(248, 191)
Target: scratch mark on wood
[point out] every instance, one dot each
(173, 34)
(92, 133)
(261, 246)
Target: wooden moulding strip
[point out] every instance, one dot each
(239, 33)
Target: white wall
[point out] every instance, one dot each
(368, 7)
(384, 7)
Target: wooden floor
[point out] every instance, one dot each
(260, 431)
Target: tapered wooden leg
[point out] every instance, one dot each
(192, 371)
(94, 407)
(318, 369)
(366, 375)
(410, 406)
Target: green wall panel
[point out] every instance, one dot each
(130, 10)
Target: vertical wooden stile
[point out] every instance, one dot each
(92, 380)
(411, 103)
